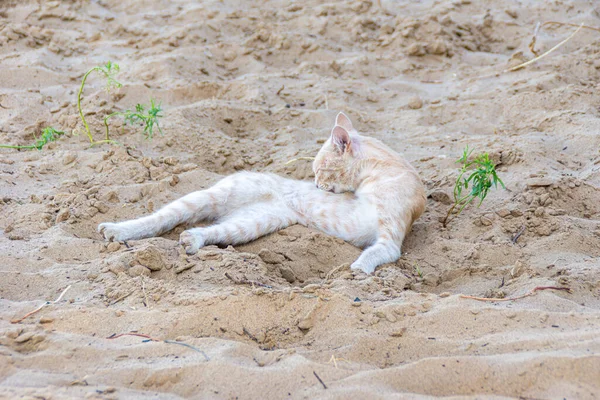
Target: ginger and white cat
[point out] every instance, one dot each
(364, 193)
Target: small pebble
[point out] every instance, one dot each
(24, 337)
(63, 215)
(398, 333)
(113, 246)
(415, 103)
(138, 270)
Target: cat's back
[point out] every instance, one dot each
(376, 150)
(391, 181)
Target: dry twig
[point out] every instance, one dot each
(531, 293)
(334, 360)
(533, 40)
(150, 338)
(569, 24)
(522, 65)
(518, 235)
(322, 383)
(190, 346)
(15, 321)
(539, 26)
(115, 336)
(146, 303)
(122, 297)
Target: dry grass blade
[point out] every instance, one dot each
(534, 39)
(122, 298)
(539, 26)
(16, 321)
(531, 293)
(569, 24)
(150, 338)
(115, 336)
(523, 65)
(146, 303)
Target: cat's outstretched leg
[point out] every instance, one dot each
(383, 251)
(242, 226)
(224, 197)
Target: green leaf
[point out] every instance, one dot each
(482, 176)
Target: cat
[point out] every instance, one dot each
(364, 193)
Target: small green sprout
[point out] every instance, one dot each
(49, 134)
(149, 118)
(482, 176)
(109, 70)
(418, 270)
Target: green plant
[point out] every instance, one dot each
(418, 270)
(481, 177)
(140, 115)
(109, 70)
(49, 134)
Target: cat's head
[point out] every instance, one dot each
(333, 165)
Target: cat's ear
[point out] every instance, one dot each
(340, 139)
(343, 121)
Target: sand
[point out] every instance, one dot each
(248, 86)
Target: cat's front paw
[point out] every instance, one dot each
(361, 267)
(191, 242)
(112, 232)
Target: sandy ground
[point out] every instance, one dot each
(248, 86)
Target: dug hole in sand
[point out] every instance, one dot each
(249, 86)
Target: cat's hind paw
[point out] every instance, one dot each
(191, 242)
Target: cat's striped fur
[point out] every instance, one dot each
(364, 193)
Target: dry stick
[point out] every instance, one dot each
(539, 26)
(518, 235)
(250, 335)
(115, 336)
(322, 383)
(534, 39)
(144, 291)
(15, 321)
(568, 24)
(122, 297)
(544, 54)
(495, 74)
(148, 337)
(531, 293)
(190, 346)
